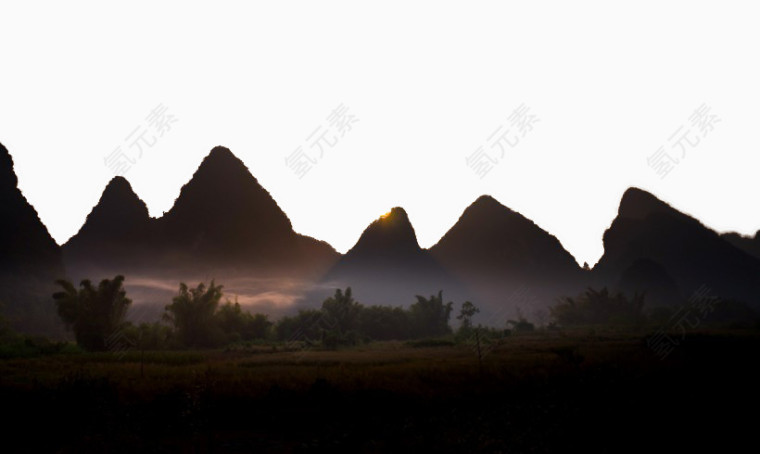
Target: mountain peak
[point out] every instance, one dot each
(119, 196)
(118, 181)
(487, 216)
(220, 152)
(224, 185)
(502, 254)
(387, 264)
(491, 236)
(220, 162)
(638, 204)
(396, 219)
(223, 212)
(692, 253)
(486, 199)
(487, 203)
(119, 213)
(119, 187)
(396, 214)
(390, 234)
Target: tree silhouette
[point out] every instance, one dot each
(466, 312)
(341, 311)
(596, 307)
(384, 323)
(238, 324)
(95, 315)
(430, 316)
(192, 313)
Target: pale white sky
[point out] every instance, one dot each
(428, 82)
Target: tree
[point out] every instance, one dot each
(596, 307)
(303, 327)
(384, 323)
(238, 324)
(521, 325)
(430, 316)
(192, 313)
(152, 336)
(341, 312)
(93, 314)
(258, 327)
(466, 312)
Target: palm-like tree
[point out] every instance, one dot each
(93, 314)
(192, 313)
(431, 315)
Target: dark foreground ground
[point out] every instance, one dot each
(544, 392)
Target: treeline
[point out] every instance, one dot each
(614, 309)
(197, 318)
(343, 321)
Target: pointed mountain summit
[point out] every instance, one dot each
(221, 187)
(639, 204)
(116, 236)
(391, 235)
(224, 217)
(30, 260)
(694, 255)
(388, 266)
(490, 236)
(119, 211)
(499, 252)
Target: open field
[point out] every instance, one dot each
(539, 392)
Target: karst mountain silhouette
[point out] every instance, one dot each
(30, 260)
(222, 220)
(225, 224)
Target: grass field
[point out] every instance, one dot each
(538, 392)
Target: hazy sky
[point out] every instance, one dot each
(427, 83)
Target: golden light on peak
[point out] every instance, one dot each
(385, 215)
